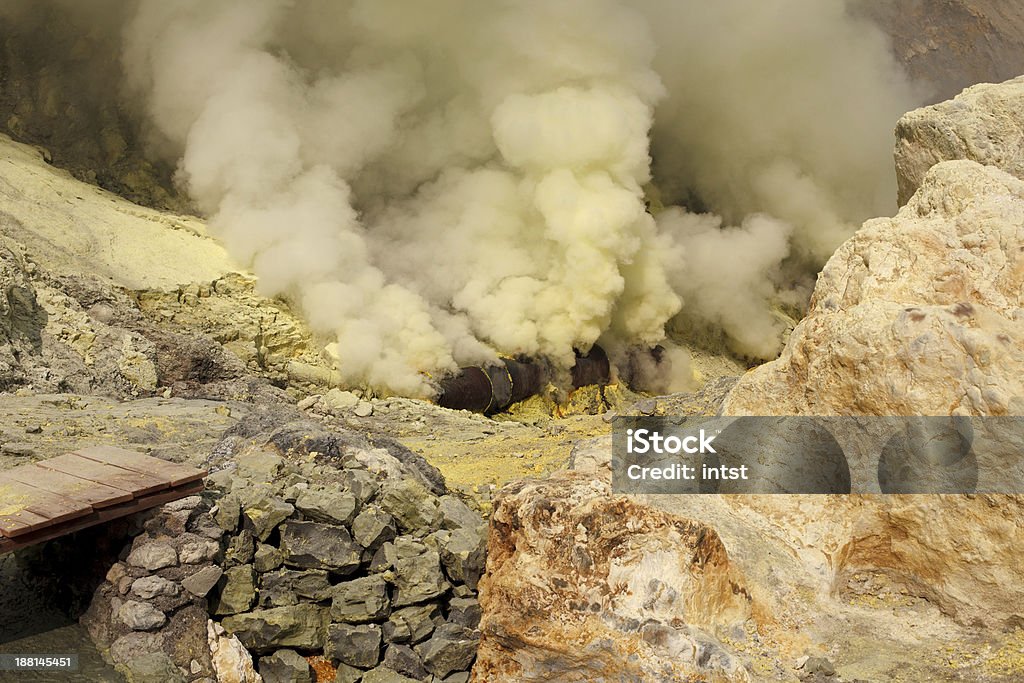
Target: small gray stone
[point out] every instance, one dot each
(405, 660)
(221, 480)
(456, 514)
(647, 406)
(241, 548)
(189, 503)
(287, 587)
(153, 556)
(301, 626)
(363, 409)
(451, 648)
(229, 508)
(361, 483)
(310, 545)
(372, 527)
(463, 552)
(418, 579)
(203, 581)
(347, 674)
(329, 507)
(198, 550)
(237, 590)
(149, 587)
(361, 600)
(354, 644)
(285, 666)
(383, 674)
(259, 466)
(18, 450)
(267, 558)
(265, 513)
(412, 624)
(337, 400)
(819, 666)
(465, 612)
(141, 616)
(308, 402)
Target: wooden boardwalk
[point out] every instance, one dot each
(54, 497)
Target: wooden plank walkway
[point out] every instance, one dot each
(51, 498)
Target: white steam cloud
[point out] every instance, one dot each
(439, 183)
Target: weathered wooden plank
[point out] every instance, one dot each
(15, 496)
(20, 522)
(174, 473)
(69, 486)
(102, 473)
(48, 533)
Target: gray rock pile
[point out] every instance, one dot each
(149, 617)
(310, 543)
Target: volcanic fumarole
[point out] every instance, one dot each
(435, 184)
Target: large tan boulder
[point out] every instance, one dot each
(920, 314)
(985, 123)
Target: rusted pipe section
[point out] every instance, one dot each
(494, 388)
(591, 368)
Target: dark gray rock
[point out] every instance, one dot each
(373, 527)
(288, 587)
(301, 626)
(361, 483)
(412, 624)
(463, 553)
(354, 644)
(464, 612)
(347, 674)
(285, 666)
(451, 648)
(310, 545)
(404, 660)
(361, 600)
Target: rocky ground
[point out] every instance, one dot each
(341, 536)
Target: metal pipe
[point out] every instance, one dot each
(494, 388)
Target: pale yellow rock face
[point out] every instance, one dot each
(920, 314)
(70, 226)
(985, 123)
